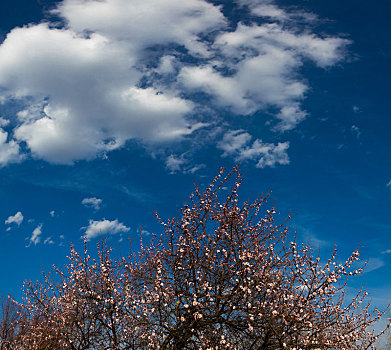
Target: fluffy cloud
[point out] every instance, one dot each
(234, 141)
(17, 219)
(268, 154)
(264, 60)
(141, 24)
(36, 235)
(238, 143)
(87, 99)
(92, 202)
(9, 150)
(120, 70)
(104, 227)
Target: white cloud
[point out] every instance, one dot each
(193, 169)
(93, 104)
(174, 163)
(268, 154)
(9, 150)
(98, 82)
(36, 236)
(52, 213)
(266, 8)
(179, 163)
(48, 241)
(141, 24)
(17, 219)
(270, 10)
(167, 65)
(4, 122)
(237, 143)
(234, 141)
(92, 202)
(290, 116)
(104, 227)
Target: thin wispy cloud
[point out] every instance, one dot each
(48, 240)
(373, 264)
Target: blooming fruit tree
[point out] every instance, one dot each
(222, 275)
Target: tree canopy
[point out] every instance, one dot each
(222, 275)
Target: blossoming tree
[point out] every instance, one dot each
(221, 276)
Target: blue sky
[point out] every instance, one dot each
(112, 109)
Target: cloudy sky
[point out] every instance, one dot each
(112, 109)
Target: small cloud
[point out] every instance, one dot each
(17, 219)
(290, 116)
(48, 241)
(61, 244)
(233, 141)
(356, 131)
(97, 228)
(179, 163)
(174, 163)
(36, 236)
(4, 122)
(356, 109)
(389, 184)
(388, 251)
(269, 154)
(9, 149)
(145, 233)
(92, 202)
(8, 229)
(195, 168)
(52, 213)
(237, 143)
